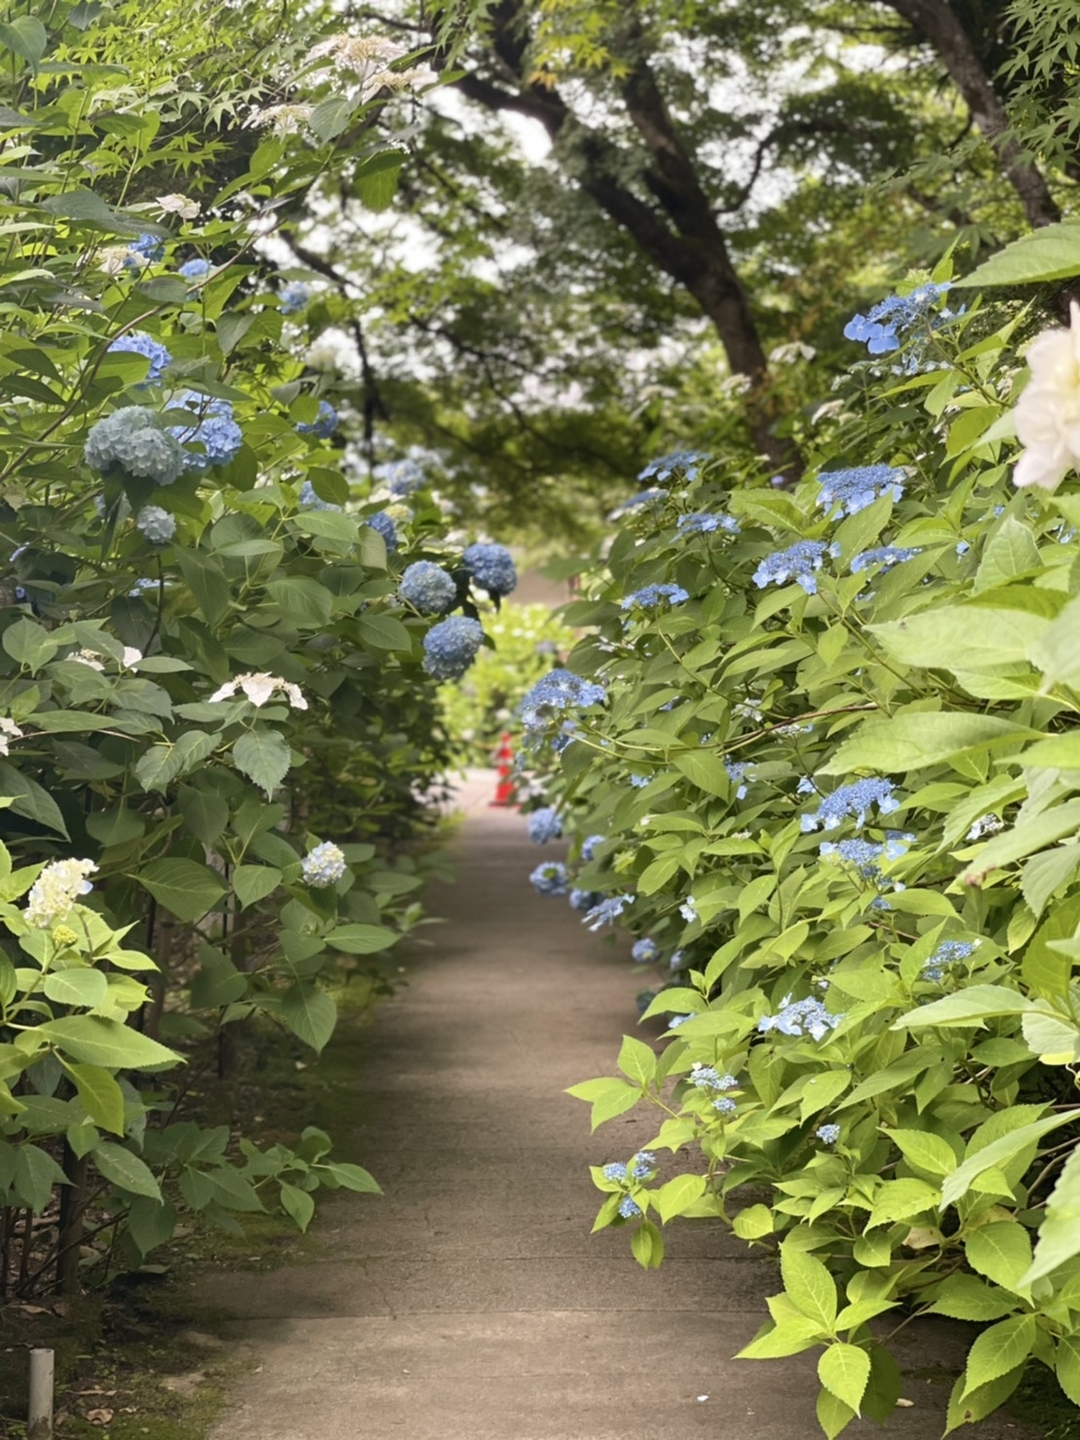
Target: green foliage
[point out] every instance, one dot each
(871, 1005)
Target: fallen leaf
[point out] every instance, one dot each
(99, 1417)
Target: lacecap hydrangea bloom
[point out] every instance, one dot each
(10, 731)
(549, 878)
(679, 462)
(213, 437)
(56, 891)
(384, 525)
(629, 1209)
(644, 951)
(1047, 414)
(155, 524)
(194, 269)
(544, 825)
(853, 490)
(800, 1017)
(139, 343)
(949, 952)
(701, 524)
(323, 866)
(798, 562)
(450, 647)
(324, 424)
(852, 800)
(428, 588)
(589, 844)
(736, 769)
(132, 440)
(259, 687)
(882, 328)
(883, 556)
(828, 1134)
(293, 297)
(607, 911)
(865, 855)
(492, 567)
(546, 703)
(650, 597)
(584, 899)
(707, 1077)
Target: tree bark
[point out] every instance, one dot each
(936, 22)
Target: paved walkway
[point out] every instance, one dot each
(471, 1303)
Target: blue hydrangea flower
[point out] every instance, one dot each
(550, 878)
(651, 596)
(309, 500)
(645, 951)
(736, 769)
(324, 866)
(828, 1134)
(677, 958)
(675, 1021)
(639, 781)
(865, 854)
(384, 524)
(132, 440)
(608, 911)
(544, 825)
(724, 1104)
(854, 800)
(492, 567)
(635, 502)
(139, 343)
(324, 424)
(428, 588)
(589, 844)
(150, 247)
(156, 524)
(948, 952)
(806, 786)
(684, 461)
(214, 432)
(642, 1165)
(629, 1209)
(883, 555)
(450, 647)
(688, 909)
(584, 899)
(546, 703)
(798, 562)
(701, 524)
(194, 269)
(401, 477)
(293, 297)
(800, 1017)
(707, 1077)
(853, 490)
(889, 319)
(615, 1170)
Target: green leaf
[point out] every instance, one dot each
(163, 763)
(101, 1096)
(961, 637)
(844, 1370)
(775, 1342)
(753, 1222)
(35, 1173)
(677, 1195)
(304, 601)
(1001, 1251)
(309, 1013)
(1067, 1365)
(361, 939)
(809, 1285)
(914, 740)
(205, 814)
(637, 1061)
(608, 1098)
(998, 1351)
(1057, 652)
(330, 117)
(1051, 253)
(264, 757)
(95, 1040)
(126, 1171)
(298, 1204)
(252, 883)
(925, 1151)
(647, 1246)
(832, 1414)
(30, 800)
(971, 1408)
(383, 632)
(29, 644)
(970, 1006)
(218, 982)
(900, 1200)
(86, 987)
(375, 180)
(354, 1177)
(206, 581)
(962, 1297)
(184, 887)
(27, 36)
(1010, 552)
(996, 1154)
(704, 770)
(151, 1223)
(1059, 1234)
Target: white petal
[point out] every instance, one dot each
(258, 687)
(226, 692)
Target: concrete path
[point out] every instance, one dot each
(471, 1303)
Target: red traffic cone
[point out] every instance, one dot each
(504, 763)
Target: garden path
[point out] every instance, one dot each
(470, 1303)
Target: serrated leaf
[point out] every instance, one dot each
(913, 741)
(86, 987)
(361, 939)
(125, 1170)
(264, 757)
(637, 1061)
(184, 887)
(677, 1195)
(998, 1351)
(101, 1096)
(844, 1371)
(96, 1040)
(309, 1013)
(298, 1204)
(809, 1285)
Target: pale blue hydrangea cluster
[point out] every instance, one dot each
(293, 297)
(890, 319)
(615, 1170)
(546, 704)
(324, 866)
(707, 1077)
(736, 769)
(883, 556)
(644, 951)
(688, 910)
(194, 269)
(324, 424)
(724, 1105)
(702, 524)
(309, 500)
(865, 855)
(544, 825)
(828, 1134)
(589, 844)
(215, 434)
(132, 440)
(607, 911)
(799, 562)
(140, 343)
(639, 781)
(642, 1165)
(682, 462)
(800, 1017)
(492, 567)
(583, 900)
(550, 878)
(384, 524)
(852, 800)
(401, 477)
(853, 490)
(428, 588)
(650, 597)
(949, 952)
(150, 247)
(156, 525)
(450, 647)
(629, 1209)
(678, 957)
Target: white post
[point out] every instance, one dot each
(41, 1395)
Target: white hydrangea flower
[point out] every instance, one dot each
(791, 352)
(1048, 412)
(368, 58)
(56, 891)
(282, 119)
(259, 686)
(87, 657)
(131, 657)
(8, 731)
(181, 205)
(116, 259)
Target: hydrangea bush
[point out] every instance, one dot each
(836, 788)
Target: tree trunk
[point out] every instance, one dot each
(937, 23)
